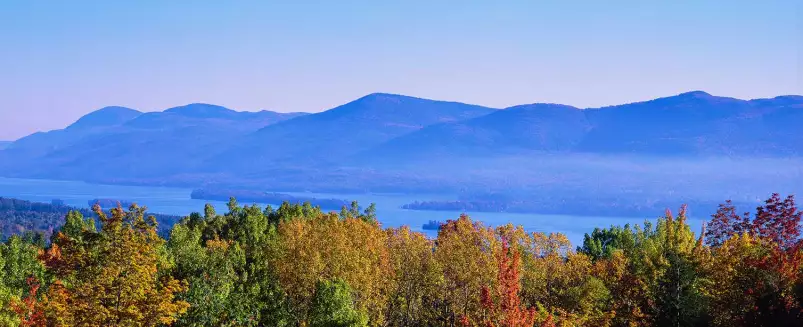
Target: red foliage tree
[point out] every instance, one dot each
(29, 310)
(772, 272)
(507, 311)
(778, 220)
(726, 223)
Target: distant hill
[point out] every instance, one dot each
(697, 123)
(539, 127)
(95, 123)
(133, 145)
(4, 144)
(329, 136)
(389, 143)
(20, 216)
(694, 124)
(108, 116)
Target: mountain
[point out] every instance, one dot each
(112, 142)
(4, 144)
(108, 116)
(699, 124)
(201, 115)
(689, 124)
(330, 136)
(96, 122)
(532, 127)
(393, 142)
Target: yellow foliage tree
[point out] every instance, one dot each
(466, 252)
(414, 280)
(111, 277)
(328, 248)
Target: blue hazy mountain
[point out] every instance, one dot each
(693, 124)
(331, 135)
(4, 144)
(349, 146)
(532, 127)
(113, 142)
(108, 116)
(94, 123)
(201, 115)
(697, 123)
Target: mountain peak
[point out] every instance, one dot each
(542, 106)
(385, 95)
(105, 116)
(695, 94)
(201, 110)
(379, 96)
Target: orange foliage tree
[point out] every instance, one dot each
(506, 310)
(29, 310)
(465, 251)
(111, 277)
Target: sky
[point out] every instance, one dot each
(62, 59)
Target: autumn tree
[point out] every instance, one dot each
(560, 282)
(757, 269)
(465, 252)
(415, 278)
(29, 310)
(329, 247)
(629, 294)
(725, 223)
(111, 276)
(18, 264)
(505, 309)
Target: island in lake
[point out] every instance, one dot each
(432, 225)
(611, 206)
(265, 197)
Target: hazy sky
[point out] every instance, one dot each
(62, 59)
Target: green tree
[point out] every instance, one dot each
(601, 243)
(224, 257)
(333, 306)
(672, 262)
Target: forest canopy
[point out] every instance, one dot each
(297, 265)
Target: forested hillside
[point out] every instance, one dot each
(299, 266)
(19, 216)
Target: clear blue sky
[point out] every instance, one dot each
(62, 59)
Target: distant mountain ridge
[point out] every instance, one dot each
(126, 136)
(198, 144)
(344, 130)
(689, 124)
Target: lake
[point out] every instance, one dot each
(177, 201)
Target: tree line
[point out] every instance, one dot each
(297, 265)
(20, 216)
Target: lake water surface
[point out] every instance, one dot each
(177, 201)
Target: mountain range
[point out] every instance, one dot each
(370, 144)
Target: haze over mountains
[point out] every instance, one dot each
(386, 142)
